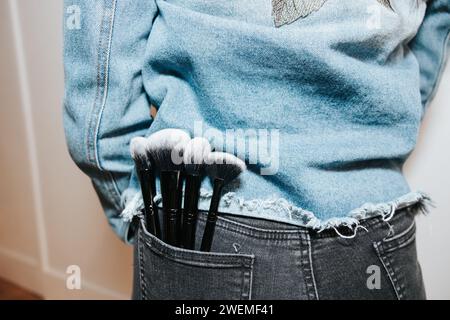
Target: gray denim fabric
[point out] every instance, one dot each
(261, 259)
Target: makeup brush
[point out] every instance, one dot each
(138, 150)
(195, 154)
(165, 149)
(222, 168)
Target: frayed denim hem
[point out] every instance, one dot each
(281, 210)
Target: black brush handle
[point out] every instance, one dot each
(171, 230)
(154, 212)
(147, 182)
(190, 213)
(211, 219)
(169, 187)
(179, 213)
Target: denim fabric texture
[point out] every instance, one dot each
(261, 259)
(346, 86)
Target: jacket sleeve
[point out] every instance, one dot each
(105, 103)
(430, 46)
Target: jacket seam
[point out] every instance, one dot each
(90, 157)
(103, 68)
(105, 81)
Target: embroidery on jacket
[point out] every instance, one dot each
(386, 3)
(288, 11)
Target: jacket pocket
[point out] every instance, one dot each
(170, 273)
(398, 256)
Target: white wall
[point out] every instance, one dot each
(50, 217)
(59, 222)
(428, 169)
(19, 253)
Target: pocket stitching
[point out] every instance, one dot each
(386, 246)
(247, 279)
(143, 283)
(207, 258)
(195, 260)
(402, 234)
(250, 285)
(252, 228)
(387, 266)
(401, 240)
(256, 232)
(400, 245)
(170, 252)
(246, 273)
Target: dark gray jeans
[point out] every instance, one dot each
(261, 259)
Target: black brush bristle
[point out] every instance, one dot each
(224, 166)
(138, 151)
(195, 155)
(165, 148)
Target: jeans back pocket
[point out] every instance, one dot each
(398, 254)
(171, 273)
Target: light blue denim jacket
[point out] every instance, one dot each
(341, 91)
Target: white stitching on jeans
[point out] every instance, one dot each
(311, 266)
(406, 231)
(250, 292)
(142, 283)
(377, 249)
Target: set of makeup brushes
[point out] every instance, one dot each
(180, 161)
